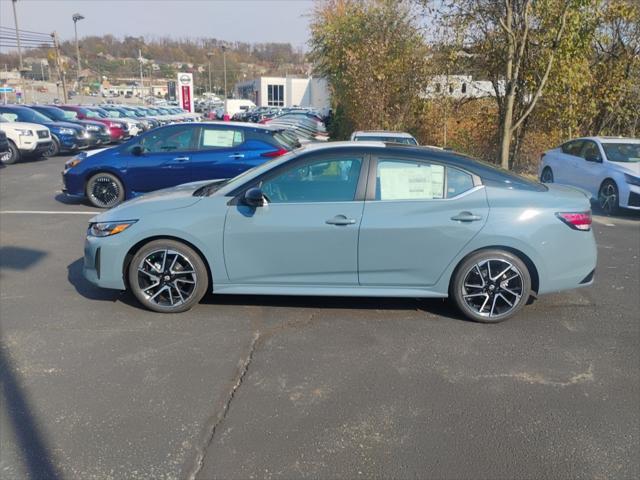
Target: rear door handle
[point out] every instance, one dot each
(466, 217)
(341, 220)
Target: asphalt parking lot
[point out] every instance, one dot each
(265, 387)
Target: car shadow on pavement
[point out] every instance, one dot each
(435, 306)
(62, 198)
(91, 292)
(29, 439)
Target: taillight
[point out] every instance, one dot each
(576, 220)
(275, 153)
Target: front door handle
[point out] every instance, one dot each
(181, 159)
(341, 220)
(236, 155)
(466, 217)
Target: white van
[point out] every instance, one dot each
(238, 105)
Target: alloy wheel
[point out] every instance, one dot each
(104, 191)
(608, 198)
(492, 287)
(167, 278)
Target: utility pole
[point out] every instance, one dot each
(59, 66)
(141, 80)
(209, 55)
(224, 62)
(21, 68)
(77, 17)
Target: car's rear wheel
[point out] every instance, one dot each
(54, 149)
(491, 286)
(547, 175)
(11, 156)
(105, 190)
(608, 198)
(168, 276)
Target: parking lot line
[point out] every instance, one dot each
(45, 212)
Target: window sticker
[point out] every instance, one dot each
(410, 183)
(218, 138)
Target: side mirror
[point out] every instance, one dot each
(137, 150)
(592, 157)
(254, 197)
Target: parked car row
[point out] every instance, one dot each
(71, 128)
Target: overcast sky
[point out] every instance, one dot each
(252, 21)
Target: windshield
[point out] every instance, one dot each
(27, 115)
(622, 152)
(93, 114)
(68, 115)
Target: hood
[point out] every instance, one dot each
(632, 168)
(25, 125)
(73, 126)
(159, 201)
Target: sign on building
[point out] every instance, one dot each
(185, 91)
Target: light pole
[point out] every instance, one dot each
(76, 18)
(209, 55)
(15, 19)
(224, 63)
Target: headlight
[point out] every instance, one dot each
(73, 161)
(67, 131)
(631, 180)
(106, 229)
(26, 133)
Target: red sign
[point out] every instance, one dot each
(186, 97)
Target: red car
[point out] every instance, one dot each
(118, 130)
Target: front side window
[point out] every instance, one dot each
(408, 180)
(590, 150)
(213, 138)
(177, 139)
(275, 95)
(332, 180)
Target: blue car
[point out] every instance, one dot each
(350, 219)
(65, 136)
(97, 133)
(168, 156)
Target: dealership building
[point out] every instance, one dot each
(286, 92)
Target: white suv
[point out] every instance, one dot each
(25, 139)
(607, 167)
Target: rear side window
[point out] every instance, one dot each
(212, 138)
(458, 182)
(572, 148)
(407, 180)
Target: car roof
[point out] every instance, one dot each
(607, 139)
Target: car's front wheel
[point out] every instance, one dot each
(491, 286)
(104, 190)
(168, 276)
(608, 198)
(11, 156)
(54, 148)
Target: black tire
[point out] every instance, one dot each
(609, 198)
(54, 149)
(547, 175)
(474, 290)
(175, 282)
(104, 190)
(12, 156)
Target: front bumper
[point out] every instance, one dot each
(631, 198)
(71, 142)
(104, 261)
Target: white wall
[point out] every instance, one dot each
(302, 92)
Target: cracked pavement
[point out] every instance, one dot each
(298, 387)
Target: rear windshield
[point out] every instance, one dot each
(287, 140)
(402, 140)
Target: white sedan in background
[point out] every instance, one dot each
(607, 167)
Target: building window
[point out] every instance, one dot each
(275, 95)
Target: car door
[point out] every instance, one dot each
(165, 160)
(417, 217)
(307, 233)
(567, 168)
(223, 152)
(592, 171)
